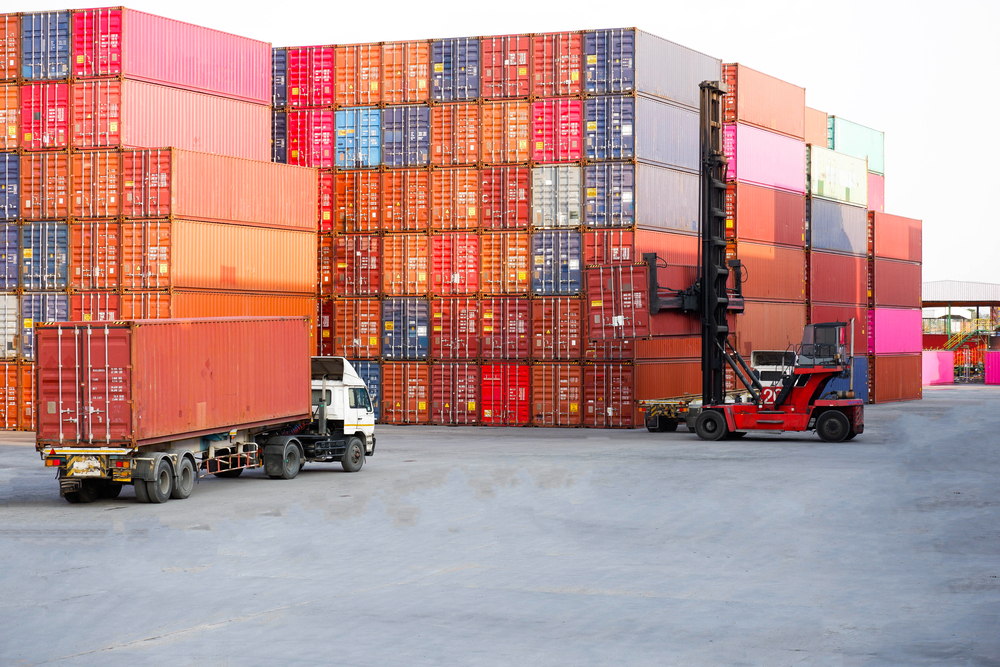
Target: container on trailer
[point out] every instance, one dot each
(279, 78)
(10, 326)
(505, 324)
(876, 193)
(556, 64)
(404, 265)
(454, 263)
(405, 72)
(769, 325)
(10, 191)
(556, 394)
(837, 226)
(856, 140)
(896, 237)
(358, 72)
(161, 304)
(826, 312)
(310, 137)
(94, 184)
(763, 101)
(895, 378)
(860, 380)
(169, 182)
(556, 262)
(505, 197)
(506, 66)
(504, 263)
(837, 176)
(325, 185)
(815, 127)
(405, 198)
(45, 46)
(504, 394)
(455, 394)
(10, 47)
(44, 186)
(10, 253)
(406, 393)
(667, 379)
(454, 199)
(896, 284)
(44, 256)
(406, 136)
(506, 128)
(112, 113)
(555, 196)
(617, 301)
(609, 195)
(772, 273)
(455, 133)
(355, 329)
(45, 116)
(557, 328)
(454, 329)
(370, 373)
(668, 347)
(756, 213)
(357, 201)
(94, 260)
(609, 350)
(357, 265)
(895, 331)
(666, 199)
(630, 60)
(937, 367)
(10, 112)
(100, 306)
(279, 136)
(837, 278)
(608, 395)
(609, 246)
(557, 130)
(992, 367)
(764, 158)
(39, 307)
(455, 68)
(359, 138)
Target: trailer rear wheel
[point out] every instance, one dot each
(184, 484)
(289, 465)
(161, 486)
(90, 490)
(354, 457)
(711, 425)
(833, 426)
(111, 490)
(140, 490)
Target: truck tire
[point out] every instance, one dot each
(288, 466)
(354, 457)
(111, 490)
(711, 425)
(161, 486)
(833, 426)
(140, 490)
(186, 476)
(90, 490)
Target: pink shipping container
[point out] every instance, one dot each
(764, 158)
(135, 45)
(45, 116)
(310, 138)
(557, 130)
(992, 360)
(895, 331)
(938, 367)
(876, 193)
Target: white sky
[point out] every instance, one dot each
(924, 73)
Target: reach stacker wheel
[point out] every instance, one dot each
(711, 425)
(833, 426)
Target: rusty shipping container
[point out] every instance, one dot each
(454, 324)
(506, 129)
(405, 72)
(94, 260)
(405, 200)
(504, 325)
(354, 329)
(405, 270)
(608, 390)
(769, 325)
(45, 116)
(504, 263)
(556, 394)
(44, 186)
(357, 202)
(94, 184)
(617, 302)
(454, 199)
(557, 328)
(896, 237)
(455, 134)
(772, 273)
(556, 64)
(896, 284)
(765, 101)
(836, 278)
(505, 394)
(765, 215)
(505, 198)
(357, 265)
(667, 379)
(455, 394)
(406, 393)
(895, 378)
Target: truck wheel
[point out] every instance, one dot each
(653, 424)
(184, 484)
(235, 472)
(711, 425)
(832, 426)
(140, 490)
(90, 491)
(354, 457)
(290, 459)
(668, 425)
(72, 497)
(162, 484)
(110, 490)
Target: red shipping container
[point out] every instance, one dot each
(824, 312)
(506, 69)
(405, 200)
(454, 134)
(454, 394)
(609, 246)
(894, 378)
(556, 328)
(310, 138)
(674, 248)
(454, 264)
(504, 326)
(405, 271)
(767, 325)
(876, 193)
(669, 379)
(146, 254)
(505, 200)
(135, 45)
(608, 391)
(556, 64)
(896, 284)
(454, 329)
(835, 278)
(45, 113)
(815, 127)
(609, 350)
(310, 77)
(26, 398)
(504, 259)
(126, 113)
(10, 47)
(674, 323)
(405, 393)
(764, 101)
(9, 375)
(94, 307)
(756, 213)
(556, 394)
(44, 186)
(357, 201)
(405, 72)
(357, 269)
(326, 266)
(326, 201)
(94, 184)
(358, 71)
(896, 237)
(10, 111)
(455, 199)
(772, 273)
(618, 302)
(504, 394)
(94, 259)
(668, 347)
(557, 130)
(506, 128)
(354, 330)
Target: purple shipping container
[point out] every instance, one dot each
(406, 136)
(764, 158)
(938, 367)
(992, 367)
(455, 69)
(642, 128)
(895, 331)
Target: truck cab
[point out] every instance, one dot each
(340, 396)
(772, 366)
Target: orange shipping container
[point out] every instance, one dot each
(556, 64)
(454, 329)
(44, 186)
(772, 273)
(405, 72)
(357, 201)
(455, 199)
(556, 328)
(668, 347)
(669, 379)
(405, 393)
(454, 264)
(26, 399)
(608, 391)
(504, 259)
(764, 101)
(9, 376)
(455, 134)
(358, 70)
(405, 265)
(10, 47)
(356, 265)
(152, 305)
(405, 200)
(94, 258)
(556, 394)
(609, 350)
(455, 394)
(95, 307)
(326, 263)
(355, 329)
(815, 127)
(505, 325)
(767, 325)
(10, 111)
(94, 184)
(895, 378)
(506, 128)
(609, 246)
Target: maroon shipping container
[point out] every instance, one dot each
(45, 117)
(556, 328)
(756, 213)
(357, 265)
(94, 260)
(454, 199)
(556, 394)
(609, 350)
(608, 395)
(141, 383)
(835, 278)
(357, 201)
(506, 68)
(609, 246)
(505, 197)
(504, 392)
(310, 77)
(95, 307)
(668, 347)
(44, 186)
(669, 379)
(896, 284)
(895, 378)
(455, 134)
(825, 312)
(773, 273)
(768, 325)
(618, 302)
(454, 329)
(326, 201)
(505, 323)
(406, 390)
(455, 394)
(350, 328)
(310, 138)
(556, 64)
(896, 237)
(557, 130)
(674, 323)
(454, 264)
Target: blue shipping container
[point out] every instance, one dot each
(608, 122)
(404, 328)
(644, 128)
(837, 226)
(9, 192)
(359, 138)
(371, 374)
(860, 380)
(40, 307)
(45, 46)
(279, 137)
(45, 251)
(455, 69)
(279, 78)
(609, 195)
(406, 136)
(666, 199)
(556, 258)
(10, 250)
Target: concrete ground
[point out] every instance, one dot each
(459, 546)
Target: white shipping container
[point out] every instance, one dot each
(9, 325)
(837, 176)
(556, 194)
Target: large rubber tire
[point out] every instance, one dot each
(162, 484)
(236, 472)
(851, 436)
(290, 460)
(833, 426)
(653, 425)
(140, 490)
(111, 490)
(354, 457)
(711, 425)
(73, 497)
(668, 425)
(186, 477)
(90, 490)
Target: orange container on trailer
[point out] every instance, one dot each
(667, 379)
(405, 72)
(556, 64)
(455, 134)
(505, 193)
(94, 307)
(454, 264)
(764, 101)
(504, 259)
(454, 329)
(405, 270)
(405, 200)
(94, 184)
(10, 112)
(609, 246)
(45, 116)
(504, 394)
(506, 66)
(325, 183)
(608, 391)
(556, 394)
(353, 331)
(405, 393)
(357, 262)
(358, 71)
(505, 326)
(557, 331)
(357, 201)
(455, 394)
(10, 47)
(506, 131)
(9, 377)
(94, 260)
(44, 186)
(454, 199)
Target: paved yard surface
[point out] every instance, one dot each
(459, 546)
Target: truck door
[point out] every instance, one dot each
(359, 410)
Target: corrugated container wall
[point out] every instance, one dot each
(279, 78)
(896, 284)
(764, 158)
(895, 331)
(455, 199)
(896, 378)
(773, 273)
(405, 72)
(505, 197)
(857, 141)
(643, 128)
(557, 328)
(897, 237)
(506, 127)
(557, 128)
(10, 326)
(455, 394)
(820, 312)
(836, 278)
(876, 193)
(10, 198)
(95, 184)
(506, 66)
(608, 395)
(504, 263)
(10, 112)
(359, 138)
(556, 394)
(406, 136)
(836, 226)
(358, 71)
(770, 326)
(45, 46)
(666, 199)
(556, 64)
(764, 101)
(455, 67)
(556, 262)
(766, 215)
(938, 367)
(837, 176)
(406, 200)
(609, 195)
(309, 138)
(454, 329)
(10, 47)
(357, 326)
(815, 127)
(505, 324)
(454, 134)
(555, 196)
(667, 379)
(505, 394)
(406, 393)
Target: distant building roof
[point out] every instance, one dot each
(957, 293)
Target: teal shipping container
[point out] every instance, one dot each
(857, 141)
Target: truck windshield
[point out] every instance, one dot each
(358, 398)
(318, 394)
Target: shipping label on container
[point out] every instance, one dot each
(506, 131)
(617, 302)
(556, 394)
(454, 199)
(405, 272)
(504, 326)
(506, 66)
(146, 255)
(311, 139)
(609, 195)
(326, 202)
(45, 46)
(310, 77)
(10, 191)
(10, 111)
(454, 264)
(454, 332)
(94, 184)
(609, 132)
(556, 64)
(455, 68)
(279, 137)
(40, 307)
(608, 391)
(359, 138)
(355, 329)
(557, 130)
(406, 396)
(357, 265)
(556, 261)
(764, 101)
(504, 390)
(837, 176)
(94, 307)
(96, 109)
(279, 78)
(555, 196)
(557, 328)
(359, 70)
(405, 200)
(405, 325)
(45, 116)
(44, 186)
(406, 136)
(455, 134)
(504, 259)
(357, 201)
(609, 246)
(405, 72)
(455, 394)
(10, 47)
(505, 200)
(94, 259)
(10, 253)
